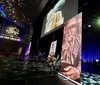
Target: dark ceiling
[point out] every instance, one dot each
(91, 14)
(24, 11)
(34, 8)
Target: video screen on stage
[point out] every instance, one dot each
(62, 11)
(71, 48)
(11, 37)
(52, 50)
(54, 17)
(11, 31)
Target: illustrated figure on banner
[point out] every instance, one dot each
(71, 48)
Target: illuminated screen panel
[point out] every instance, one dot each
(54, 17)
(58, 15)
(11, 37)
(52, 50)
(12, 32)
(71, 47)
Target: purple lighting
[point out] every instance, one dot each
(85, 4)
(28, 49)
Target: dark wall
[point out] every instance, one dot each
(70, 9)
(45, 42)
(34, 8)
(36, 34)
(8, 46)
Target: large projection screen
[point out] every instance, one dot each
(71, 48)
(54, 17)
(61, 12)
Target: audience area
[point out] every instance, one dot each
(90, 73)
(15, 70)
(21, 69)
(90, 78)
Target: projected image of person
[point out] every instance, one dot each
(71, 48)
(52, 51)
(52, 48)
(51, 56)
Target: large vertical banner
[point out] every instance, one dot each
(71, 48)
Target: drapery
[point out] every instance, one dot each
(90, 48)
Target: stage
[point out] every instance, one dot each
(47, 80)
(14, 71)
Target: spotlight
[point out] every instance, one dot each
(14, 20)
(98, 22)
(89, 25)
(97, 60)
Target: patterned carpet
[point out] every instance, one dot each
(15, 68)
(90, 79)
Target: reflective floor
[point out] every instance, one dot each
(17, 71)
(90, 79)
(90, 74)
